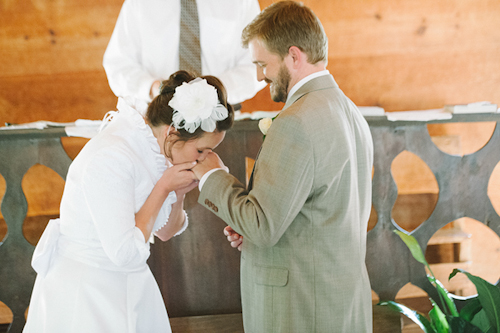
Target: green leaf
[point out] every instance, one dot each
(460, 325)
(489, 296)
(471, 308)
(438, 319)
(415, 316)
(417, 253)
(445, 296)
(413, 245)
(481, 320)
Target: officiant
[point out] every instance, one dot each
(152, 39)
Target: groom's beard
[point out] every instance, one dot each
(279, 87)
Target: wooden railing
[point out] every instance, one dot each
(198, 273)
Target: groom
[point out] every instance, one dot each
(304, 218)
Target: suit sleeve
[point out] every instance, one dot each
(283, 181)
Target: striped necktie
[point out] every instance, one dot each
(189, 42)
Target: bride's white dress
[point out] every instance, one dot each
(92, 274)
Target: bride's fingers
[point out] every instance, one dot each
(185, 166)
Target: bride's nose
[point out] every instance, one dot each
(202, 156)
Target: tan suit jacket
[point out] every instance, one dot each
(304, 221)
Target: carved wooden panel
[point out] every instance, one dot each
(198, 272)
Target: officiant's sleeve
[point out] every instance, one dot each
(240, 79)
(283, 181)
(126, 75)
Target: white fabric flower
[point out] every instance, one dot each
(196, 103)
(264, 125)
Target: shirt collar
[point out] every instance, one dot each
(305, 80)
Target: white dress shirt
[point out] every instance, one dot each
(144, 46)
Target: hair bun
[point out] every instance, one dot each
(176, 79)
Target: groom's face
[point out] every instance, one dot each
(272, 69)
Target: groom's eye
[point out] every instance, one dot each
(200, 151)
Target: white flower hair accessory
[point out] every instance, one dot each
(196, 104)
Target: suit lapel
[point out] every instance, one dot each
(250, 181)
(319, 83)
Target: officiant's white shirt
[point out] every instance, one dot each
(144, 46)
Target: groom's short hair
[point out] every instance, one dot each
(288, 23)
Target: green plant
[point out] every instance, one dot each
(481, 314)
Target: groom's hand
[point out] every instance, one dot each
(233, 237)
(212, 161)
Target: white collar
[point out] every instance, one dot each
(305, 80)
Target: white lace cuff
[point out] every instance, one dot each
(185, 225)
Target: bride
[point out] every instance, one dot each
(127, 184)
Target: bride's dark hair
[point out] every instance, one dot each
(160, 113)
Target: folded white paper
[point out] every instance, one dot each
(477, 107)
(84, 128)
(238, 115)
(371, 110)
(41, 124)
(422, 115)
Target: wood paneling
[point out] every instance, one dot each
(51, 53)
(411, 55)
(57, 97)
(402, 55)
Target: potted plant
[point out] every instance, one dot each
(481, 314)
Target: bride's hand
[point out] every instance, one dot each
(181, 192)
(179, 177)
(233, 237)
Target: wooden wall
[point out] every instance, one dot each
(400, 55)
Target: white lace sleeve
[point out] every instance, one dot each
(164, 214)
(185, 225)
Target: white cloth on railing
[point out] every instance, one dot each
(419, 115)
(84, 128)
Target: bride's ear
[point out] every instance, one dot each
(169, 130)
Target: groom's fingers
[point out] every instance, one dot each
(238, 243)
(235, 239)
(228, 231)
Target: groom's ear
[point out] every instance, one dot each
(296, 56)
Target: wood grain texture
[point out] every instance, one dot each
(412, 55)
(51, 53)
(401, 56)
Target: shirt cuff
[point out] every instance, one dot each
(205, 176)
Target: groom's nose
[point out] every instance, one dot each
(260, 74)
